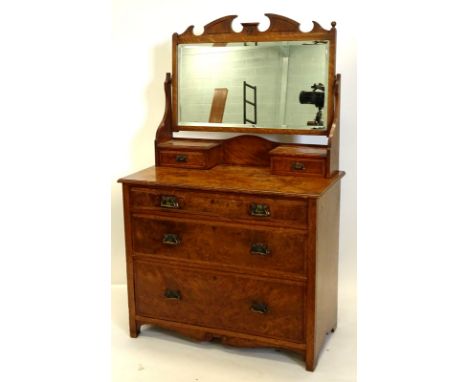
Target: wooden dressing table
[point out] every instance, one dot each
(237, 239)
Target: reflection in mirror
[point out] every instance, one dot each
(281, 84)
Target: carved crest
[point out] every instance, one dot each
(219, 33)
(219, 29)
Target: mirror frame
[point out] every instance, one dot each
(281, 29)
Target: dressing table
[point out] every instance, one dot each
(237, 239)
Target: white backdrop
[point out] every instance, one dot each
(60, 141)
(141, 55)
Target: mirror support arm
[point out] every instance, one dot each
(334, 132)
(164, 131)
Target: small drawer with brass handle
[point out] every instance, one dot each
(169, 202)
(259, 307)
(171, 239)
(298, 166)
(181, 158)
(186, 159)
(259, 249)
(259, 210)
(175, 155)
(294, 160)
(172, 294)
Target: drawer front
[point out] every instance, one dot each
(186, 159)
(259, 307)
(267, 210)
(265, 249)
(289, 166)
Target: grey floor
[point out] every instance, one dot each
(162, 356)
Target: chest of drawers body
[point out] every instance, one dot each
(233, 253)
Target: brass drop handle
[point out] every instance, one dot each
(260, 210)
(180, 158)
(172, 294)
(171, 239)
(169, 202)
(259, 249)
(259, 307)
(298, 166)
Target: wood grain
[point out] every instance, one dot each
(333, 159)
(192, 159)
(247, 150)
(281, 28)
(214, 246)
(133, 323)
(164, 131)
(188, 144)
(226, 128)
(199, 261)
(230, 207)
(195, 153)
(241, 179)
(212, 243)
(220, 301)
(326, 269)
(285, 165)
(202, 333)
(310, 293)
(299, 151)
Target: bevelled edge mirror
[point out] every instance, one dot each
(279, 81)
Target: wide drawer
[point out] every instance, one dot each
(255, 306)
(258, 208)
(266, 249)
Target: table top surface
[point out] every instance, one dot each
(299, 151)
(233, 179)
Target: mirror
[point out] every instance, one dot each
(271, 84)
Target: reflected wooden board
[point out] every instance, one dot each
(218, 104)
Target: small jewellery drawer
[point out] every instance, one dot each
(258, 208)
(182, 159)
(293, 160)
(189, 154)
(265, 249)
(289, 166)
(255, 306)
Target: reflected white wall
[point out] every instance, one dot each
(279, 72)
